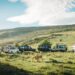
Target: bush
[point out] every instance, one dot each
(68, 72)
(13, 56)
(46, 43)
(57, 61)
(52, 73)
(70, 62)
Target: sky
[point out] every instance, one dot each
(28, 13)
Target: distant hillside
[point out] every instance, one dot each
(32, 32)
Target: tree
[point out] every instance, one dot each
(17, 44)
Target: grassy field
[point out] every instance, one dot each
(51, 63)
(35, 63)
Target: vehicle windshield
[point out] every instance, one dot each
(61, 46)
(12, 48)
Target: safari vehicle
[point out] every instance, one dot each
(13, 50)
(10, 49)
(60, 47)
(44, 48)
(25, 48)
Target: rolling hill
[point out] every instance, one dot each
(31, 33)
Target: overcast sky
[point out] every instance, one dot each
(25, 13)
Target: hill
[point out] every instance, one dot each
(31, 33)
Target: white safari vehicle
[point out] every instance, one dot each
(10, 49)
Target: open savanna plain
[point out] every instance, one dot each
(38, 63)
(50, 63)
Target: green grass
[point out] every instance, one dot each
(57, 62)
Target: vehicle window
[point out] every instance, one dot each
(61, 46)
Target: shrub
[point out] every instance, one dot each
(56, 61)
(70, 62)
(52, 73)
(46, 42)
(68, 72)
(13, 56)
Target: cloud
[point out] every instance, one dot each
(13, 1)
(46, 12)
